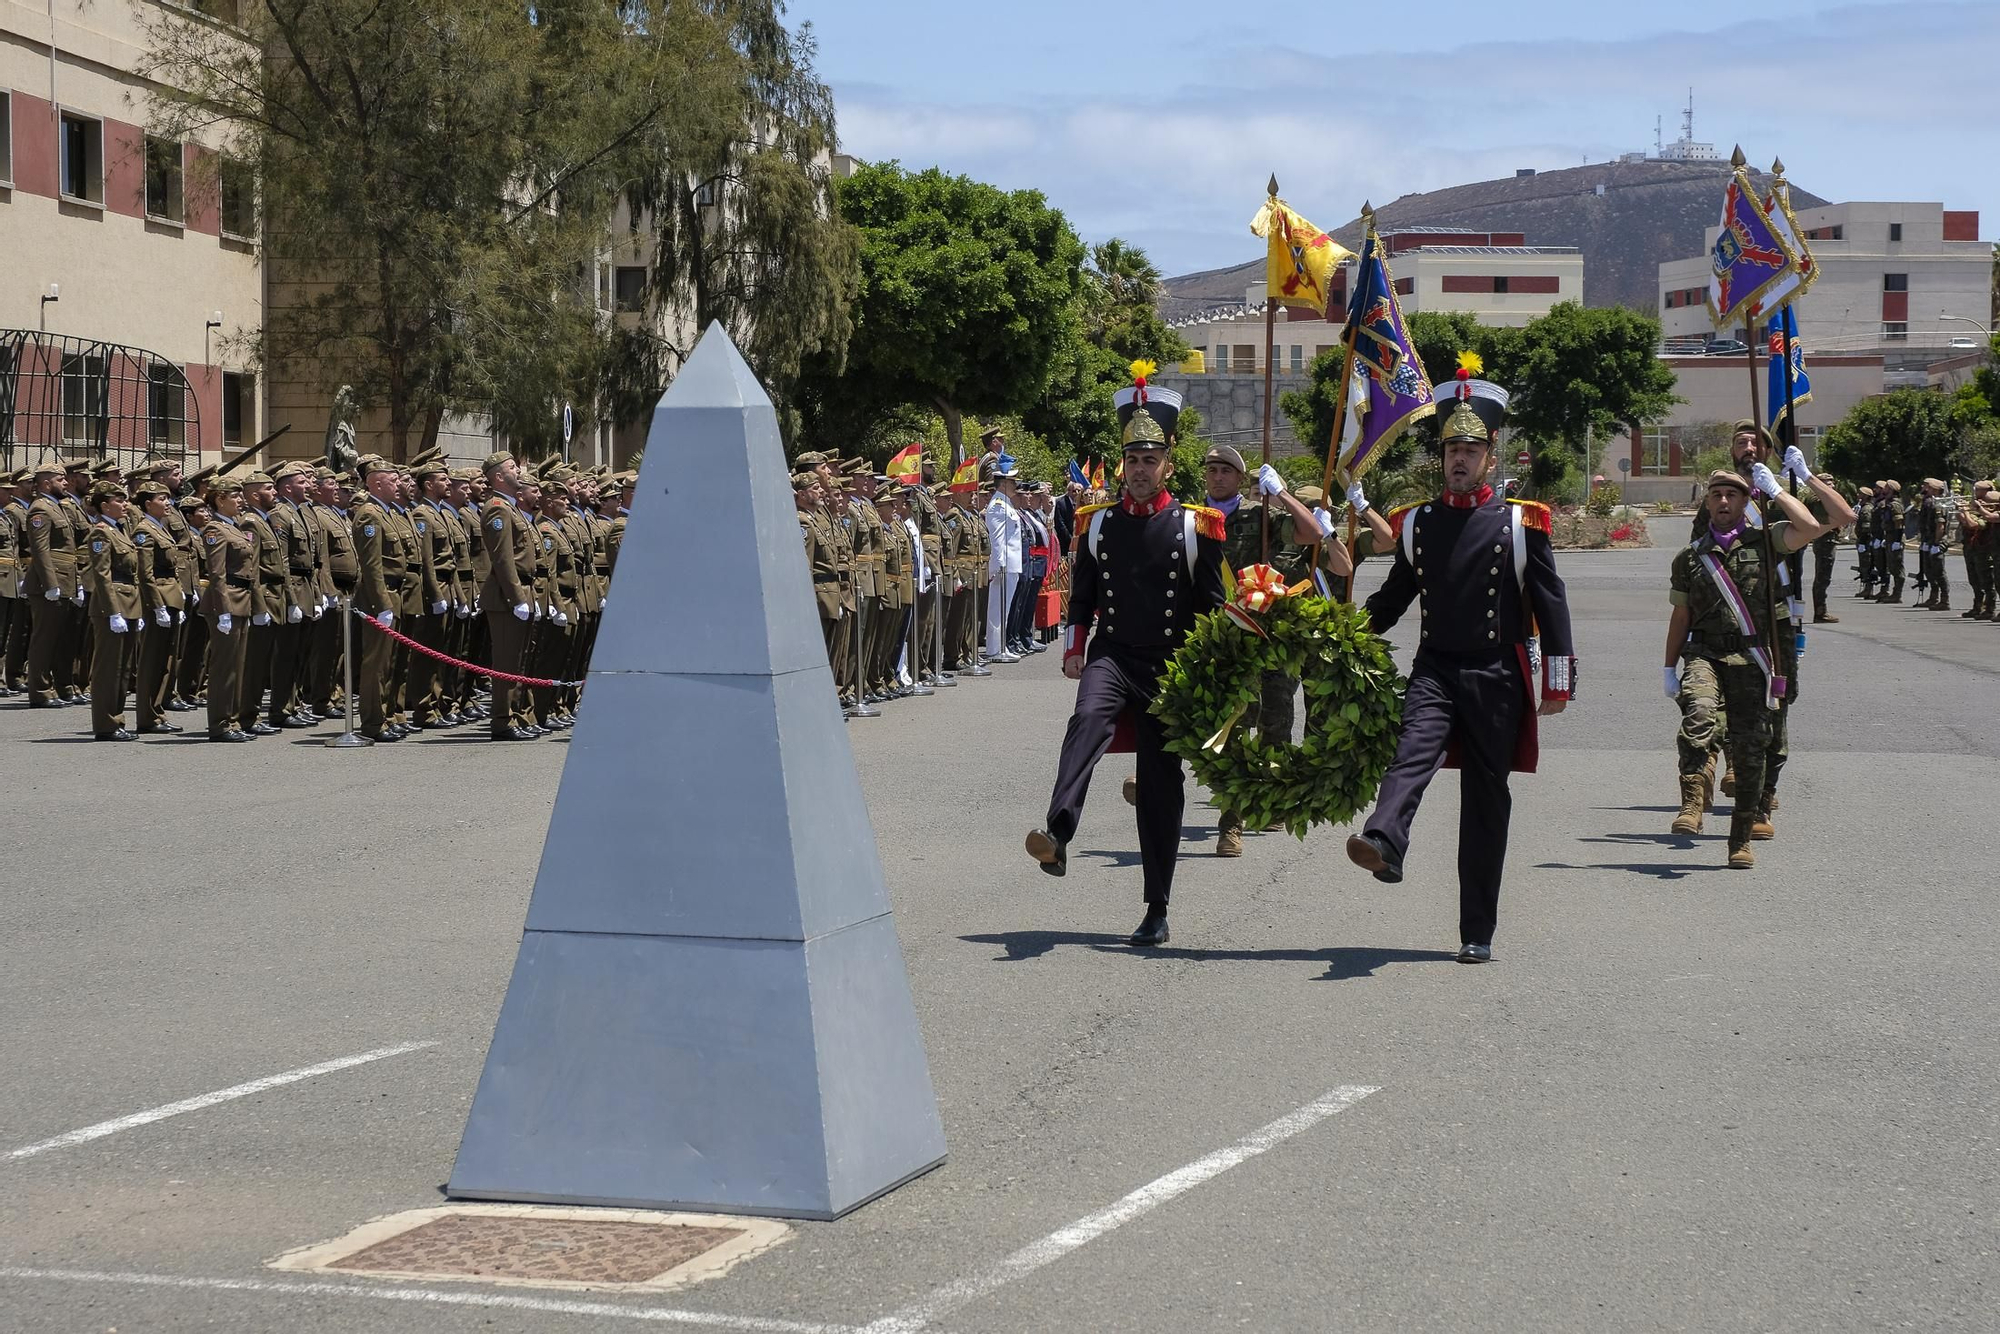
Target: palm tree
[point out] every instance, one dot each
(1124, 273)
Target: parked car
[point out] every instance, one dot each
(1728, 347)
(1964, 343)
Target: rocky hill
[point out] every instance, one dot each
(1627, 218)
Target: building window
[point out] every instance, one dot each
(1246, 357)
(1895, 282)
(84, 399)
(1895, 331)
(239, 200)
(6, 137)
(1298, 357)
(604, 287)
(1895, 231)
(1656, 449)
(1500, 283)
(166, 405)
(1406, 286)
(82, 152)
(163, 180)
(631, 291)
(239, 407)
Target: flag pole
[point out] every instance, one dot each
(1270, 354)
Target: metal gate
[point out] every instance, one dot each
(77, 398)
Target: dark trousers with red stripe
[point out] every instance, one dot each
(1475, 701)
(1124, 681)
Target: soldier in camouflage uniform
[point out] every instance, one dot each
(1724, 637)
(1889, 532)
(1979, 544)
(1864, 540)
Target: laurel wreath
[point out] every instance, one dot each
(1353, 711)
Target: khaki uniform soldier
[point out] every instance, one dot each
(1934, 524)
(507, 535)
(885, 621)
(14, 647)
(229, 558)
(954, 552)
(576, 525)
(437, 608)
(474, 639)
(191, 654)
(930, 600)
(1889, 527)
(116, 610)
(982, 571)
(80, 643)
(627, 483)
(53, 590)
(300, 536)
(378, 594)
(559, 580)
(816, 532)
(340, 575)
(1981, 514)
(409, 537)
(840, 521)
(1724, 634)
(263, 634)
(1864, 539)
(11, 569)
(163, 604)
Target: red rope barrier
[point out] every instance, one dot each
(450, 661)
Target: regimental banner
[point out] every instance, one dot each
(1300, 258)
(1782, 330)
(1750, 260)
(1396, 392)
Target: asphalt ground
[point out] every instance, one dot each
(1680, 1098)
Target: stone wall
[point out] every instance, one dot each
(1232, 408)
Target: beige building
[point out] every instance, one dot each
(118, 244)
(1911, 280)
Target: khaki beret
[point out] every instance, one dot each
(1728, 477)
(1744, 424)
(811, 459)
(1223, 454)
(1868, 491)
(107, 491)
(1932, 481)
(496, 461)
(1309, 495)
(1895, 487)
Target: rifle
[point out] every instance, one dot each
(254, 449)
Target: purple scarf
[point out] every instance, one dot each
(1726, 538)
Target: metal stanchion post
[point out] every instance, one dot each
(348, 738)
(861, 707)
(939, 676)
(979, 667)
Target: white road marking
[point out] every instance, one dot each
(960, 1292)
(436, 1297)
(195, 1104)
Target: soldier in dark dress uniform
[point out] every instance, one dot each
(1146, 568)
(1486, 572)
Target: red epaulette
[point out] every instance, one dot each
(1396, 519)
(1536, 515)
(1211, 524)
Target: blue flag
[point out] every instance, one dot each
(1076, 475)
(1390, 389)
(1782, 336)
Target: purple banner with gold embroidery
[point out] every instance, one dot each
(1389, 389)
(1749, 260)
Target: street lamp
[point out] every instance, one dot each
(1960, 319)
(53, 294)
(214, 322)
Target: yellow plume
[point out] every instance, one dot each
(1143, 369)
(1471, 363)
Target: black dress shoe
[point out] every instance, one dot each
(1371, 854)
(386, 736)
(1152, 931)
(231, 735)
(162, 726)
(179, 705)
(294, 722)
(1474, 952)
(261, 729)
(513, 734)
(46, 703)
(120, 735)
(1046, 849)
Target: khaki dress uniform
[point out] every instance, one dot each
(378, 552)
(436, 610)
(821, 562)
(477, 641)
(80, 643)
(840, 521)
(161, 590)
(191, 652)
(557, 586)
(929, 600)
(340, 576)
(260, 645)
(508, 538)
(52, 569)
(299, 533)
(116, 622)
(982, 578)
(229, 557)
(14, 648)
(10, 579)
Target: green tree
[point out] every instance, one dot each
(966, 293)
(433, 174)
(736, 190)
(1906, 434)
(1116, 322)
(1575, 370)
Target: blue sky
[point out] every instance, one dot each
(1160, 123)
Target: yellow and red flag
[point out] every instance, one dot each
(908, 465)
(967, 476)
(1298, 269)
(1097, 475)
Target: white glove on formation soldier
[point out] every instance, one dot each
(1269, 482)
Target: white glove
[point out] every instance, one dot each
(559, 618)
(161, 616)
(1670, 679)
(385, 619)
(604, 602)
(1269, 482)
(523, 611)
(1324, 520)
(1356, 498)
(261, 618)
(223, 625)
(180, 618)
(293, 616)
(1761, 478)
(52, 594)
(79, 597)
(318, 606)
(1795, 464)
(437, 608)
(118, 626)
(461, 611)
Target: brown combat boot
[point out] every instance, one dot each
(1740, 856)
(1694, 804)
(1821, 616)
(1229, 836)
(1131, 791)
(1761, 828)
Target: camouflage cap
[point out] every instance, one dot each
(803, 480)
(811, 459)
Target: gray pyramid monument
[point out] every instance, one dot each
(709, 1009)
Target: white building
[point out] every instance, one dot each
(1912, 281)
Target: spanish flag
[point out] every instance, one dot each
(1298, 268)
(967, 476)
(907, 466)
(1097, 476)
